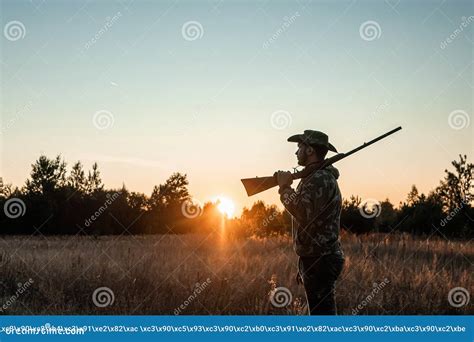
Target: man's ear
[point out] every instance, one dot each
(309, 150)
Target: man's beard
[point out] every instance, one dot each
(302, 161)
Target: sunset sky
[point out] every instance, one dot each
(214, 89)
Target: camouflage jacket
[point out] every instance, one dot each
(316, 210)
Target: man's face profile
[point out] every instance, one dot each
(301, 154)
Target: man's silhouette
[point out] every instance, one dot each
(315, 207)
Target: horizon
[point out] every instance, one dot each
(229, 207)
(214, 91)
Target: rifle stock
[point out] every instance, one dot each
(256, 185)
(259, 184)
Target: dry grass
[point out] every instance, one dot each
(157, 274)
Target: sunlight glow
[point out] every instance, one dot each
(226, 206)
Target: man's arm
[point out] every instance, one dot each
(299, 205)
(310, 201)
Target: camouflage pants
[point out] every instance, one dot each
(319, 275)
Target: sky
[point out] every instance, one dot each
(214, 88)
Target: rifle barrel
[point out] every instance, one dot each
(364, 145)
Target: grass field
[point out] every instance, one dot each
(194, 274)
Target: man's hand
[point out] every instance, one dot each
(284, 178)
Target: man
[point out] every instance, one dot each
(315, 208)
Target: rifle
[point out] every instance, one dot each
(258, 184)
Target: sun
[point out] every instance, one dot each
(226, 206)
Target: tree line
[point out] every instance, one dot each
(55, 201)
